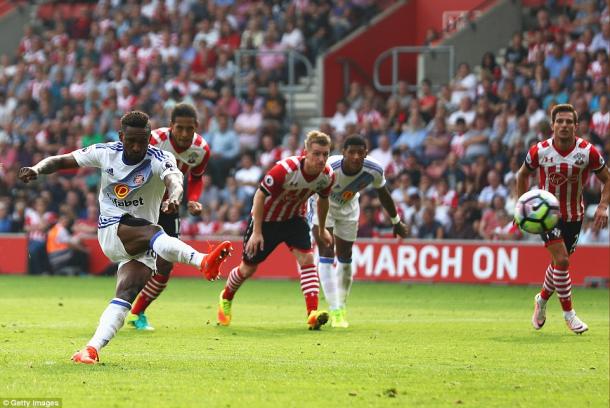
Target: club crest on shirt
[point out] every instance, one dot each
(121, 191)
(579, 159)
(192, 158)
(138, 180)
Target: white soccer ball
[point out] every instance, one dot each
(537, 211)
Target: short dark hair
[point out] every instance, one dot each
(354, 140)
(563, 107)
(183, 110)
(136, 119)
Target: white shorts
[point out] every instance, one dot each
(115, 251)
(344, 227)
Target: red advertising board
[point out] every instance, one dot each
(390, 260)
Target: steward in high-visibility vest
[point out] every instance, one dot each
(67, 255)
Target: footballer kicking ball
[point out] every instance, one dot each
(537, 211)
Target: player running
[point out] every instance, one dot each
(353, 172)
(564, 162)
(278, 215)
(134, 178)
(192, 154)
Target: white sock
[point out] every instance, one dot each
(110, 322)
(328, 281)
(173, 250)
(569, 315)
(344, 281)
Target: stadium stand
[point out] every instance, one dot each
(450, 156)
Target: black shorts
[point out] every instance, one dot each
(294, 232)
(566, 231)
(170, 224)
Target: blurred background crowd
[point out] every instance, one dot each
(450, 151)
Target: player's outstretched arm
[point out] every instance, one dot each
(173, 183)
(48, 166)
(399, 227)
(522, 176)
(600, 219)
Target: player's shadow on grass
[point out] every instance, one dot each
(273, 332)
(534, 338)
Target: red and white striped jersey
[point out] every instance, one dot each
(565, 173)
(287, 188)
(194, 158)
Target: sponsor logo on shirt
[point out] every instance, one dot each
(128, 203)
(559, 179)
(121, 191)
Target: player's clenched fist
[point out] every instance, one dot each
(27, 173)
(170, 206)
(194, 207)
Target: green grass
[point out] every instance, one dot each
(408, 345)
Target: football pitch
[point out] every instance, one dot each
(408, 345)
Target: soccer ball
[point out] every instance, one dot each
(537, 211)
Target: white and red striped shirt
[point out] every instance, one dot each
(600, 122)
(194, 158)
(565, 173)
(287, 188)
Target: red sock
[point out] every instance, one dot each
(153, 288)
(310, 286)
(548, 287)
(234, 281)
(563, 285)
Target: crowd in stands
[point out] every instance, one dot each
(451, 151)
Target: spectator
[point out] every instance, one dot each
(558, 64)
(476, 140)
(274, 109)
(249, 174)
(516, 52)
(430, 227)
(601, 41)
(413, 135)
(492, 218)
(437, 142)
(493, 189)
(343, 116)
(224, 150)
(427, 100)
(506, 230)
(6, 223)
(67, 254)
(465, 112)
(383, 152)
(463, 85)
(460, 228)
(271, 59)
(247, 125)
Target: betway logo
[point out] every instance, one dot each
(127, 203)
